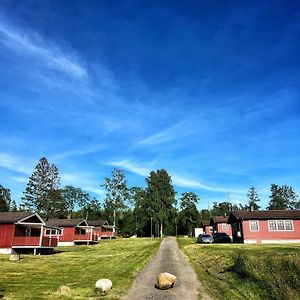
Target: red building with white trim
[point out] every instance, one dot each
(265, 226)
(207, 228)
(220, 224)
(102, 229)
(25, 232)
(74, 232)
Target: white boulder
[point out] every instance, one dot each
(103, 285)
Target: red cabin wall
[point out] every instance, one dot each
(265, 234)
(219, 228)
(7, 232)
(68, 234)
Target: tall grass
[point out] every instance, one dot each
(246, 271)
(278, 276)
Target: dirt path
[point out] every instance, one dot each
(169, 258)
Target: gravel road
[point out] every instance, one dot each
(169, 258)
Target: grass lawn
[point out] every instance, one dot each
(237, 271)
(79, 267)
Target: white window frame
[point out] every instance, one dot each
(56, 232)
(257, 225)
(284, 223)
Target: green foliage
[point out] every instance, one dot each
(116, 194)
(253, 199)
(55, 205)
(75, 197)
(127, 224)
(161, 195)
(5, 199)
(43, 181)
(142, 211)
(13, 206)
(189, 216)
(283, 198)
(221, 209)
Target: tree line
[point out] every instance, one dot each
(153, 210)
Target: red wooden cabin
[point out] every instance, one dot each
(265, 226)
(25, 232)
(74, 231)
(220, 224)
(103, 229)
(207, 229)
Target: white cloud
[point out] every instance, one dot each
(174, 132)
(32, 44)
(77, 152)
(131, 167)
(20, 179)
(82, 181)
(15, 163)
(178, 180)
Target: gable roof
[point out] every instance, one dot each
(264, 215)
(67, 222)
(205, 223)
(218, 219)
(13, 217)
(97, 222)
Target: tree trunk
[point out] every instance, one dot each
(161, 229)
(114, 217)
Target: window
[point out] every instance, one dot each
(224, 226)
(280, 225)
(272, 225)
(288, 225)
(254, 225)
(50, 231)
(28, 231)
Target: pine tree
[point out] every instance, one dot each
(5, 198)
(43, 180)
(253, 199)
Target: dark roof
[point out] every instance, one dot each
(264, 215)
(64, 222)
(205, 222)
(97, 222)
(218, 219)
(13, 217)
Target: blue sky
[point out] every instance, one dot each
(208, 90)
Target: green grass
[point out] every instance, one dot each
(79, 267)
(237, 271)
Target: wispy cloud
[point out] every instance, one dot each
(32, 44)
(131, 167)
(15, 163)
(83, 181)
(178, 180)
(77, 152)
(20, 179)
(178, 131)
